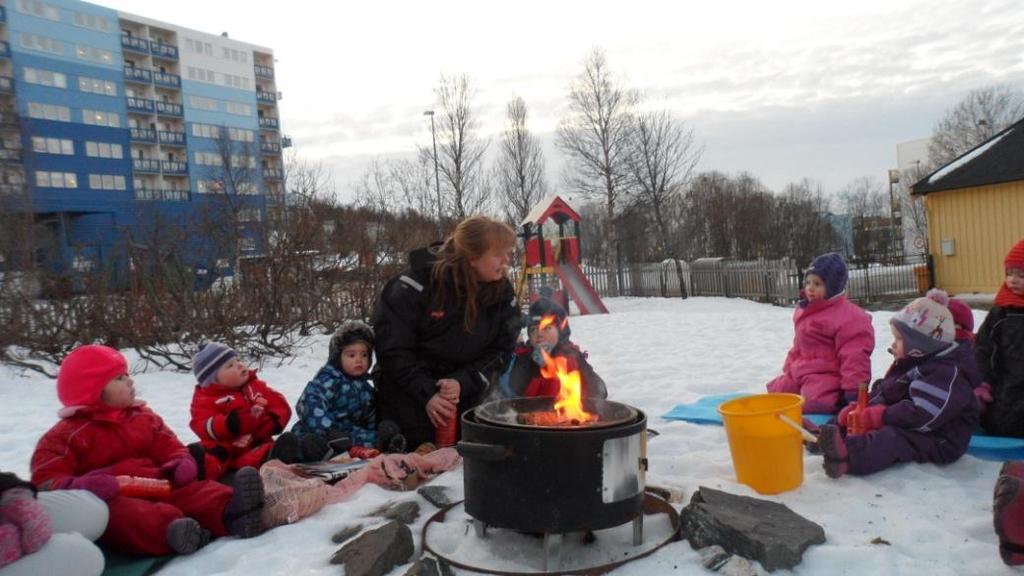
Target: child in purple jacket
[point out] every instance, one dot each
(922, 411)
(832, 344)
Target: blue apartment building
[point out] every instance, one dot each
(115, 126)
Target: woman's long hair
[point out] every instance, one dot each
(473, 238)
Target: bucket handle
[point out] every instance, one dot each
(803, 431)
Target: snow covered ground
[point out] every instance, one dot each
(653, 353)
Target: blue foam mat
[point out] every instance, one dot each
(705, 411)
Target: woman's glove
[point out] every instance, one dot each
(984, 394)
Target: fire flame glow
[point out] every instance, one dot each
(569, 403)
(546, 321)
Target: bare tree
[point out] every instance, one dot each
(662, 158)
(866, 204)
(912, 209)
(460, 149)
(519, 169)
(973, 120)
(595, 137)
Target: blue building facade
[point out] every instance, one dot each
(117, 128)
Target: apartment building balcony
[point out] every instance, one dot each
(262, 71)
(141, 75)
(6, 84)
(143, 105)
(174, 167)
(171, 138)
(168, 109)
(267, 122)
(135, 43)
(145, 165)
(161, 50)
(142, 134)
(265, 97)
(270, 147)
(158, 195)
(167, 79)
(5, 49)
(273, 173)
(10, 155)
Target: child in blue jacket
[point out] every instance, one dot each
(337, 406)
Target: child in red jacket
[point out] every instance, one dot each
(104, 432)
(236, 415)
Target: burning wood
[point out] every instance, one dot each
(546, 419)
(569, 403)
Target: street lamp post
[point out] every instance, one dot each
(437, 179)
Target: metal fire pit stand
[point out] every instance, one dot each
(653, 504)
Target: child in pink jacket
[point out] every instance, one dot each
(832, 347)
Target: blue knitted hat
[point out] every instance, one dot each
(208, 360)
(832, 270)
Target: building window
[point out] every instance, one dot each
(238, 109)
(104, 150)
(246, 244)
(94, 54)
(241, 135)
(209, 186)
(92, 21)
(56, 179)
(243, 161)
(208, 159)
(203, 103)
(43, 145)
(236, 81)
(37, 8)
(249, 215)
(41, 43)
(101, 118)
(206, 130)
(49, 112)
(45, 78)
(247, 188)
(106, 182)
(97, 86)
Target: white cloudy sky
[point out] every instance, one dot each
(782, 89)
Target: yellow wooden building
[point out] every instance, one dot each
(975, 210)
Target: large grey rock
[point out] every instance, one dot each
(429, 566)
(376, 552)
(437, 495)
(753, 528)
(405, 512)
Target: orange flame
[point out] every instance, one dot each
(546, 321)
(569, 403)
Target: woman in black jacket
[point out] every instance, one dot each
(444, 327)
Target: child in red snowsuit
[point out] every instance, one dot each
(104, 432)
(236, 415)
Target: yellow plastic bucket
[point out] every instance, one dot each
(766, 452)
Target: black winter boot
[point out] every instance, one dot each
(242, 514)
(313, 448)
(185, 536)
(286, 449)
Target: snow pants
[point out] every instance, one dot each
(218, 461)
(880, 449)
(77, 518)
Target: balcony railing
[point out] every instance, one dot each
(6, 84)
(166, 79)
(171, 138)
(140, 105)
(174, 167)
(145, 165)
(169, 195)
(137, 74)
(266, 97)
(168, 109)
(270, 147)
(142, 134)
(263, 71)
(10, 155)
(273, 173)
(5, 50)
(266, 122)
(161, 50)
(134, 43)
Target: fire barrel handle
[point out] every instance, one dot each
(486, 452)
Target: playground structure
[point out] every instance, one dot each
(551, 266)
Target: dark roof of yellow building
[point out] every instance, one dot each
(996, 160)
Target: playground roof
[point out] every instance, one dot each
(551, 207)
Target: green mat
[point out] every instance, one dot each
(120, 565)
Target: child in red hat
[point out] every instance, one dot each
(999, 349)
(105, 432)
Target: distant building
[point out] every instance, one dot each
(115, 124)
(975, 207)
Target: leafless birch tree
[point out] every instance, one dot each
(519, 168)
(981, 114)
